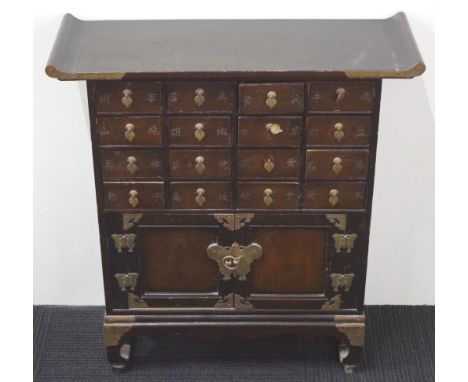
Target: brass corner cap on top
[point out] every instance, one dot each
(339, 48)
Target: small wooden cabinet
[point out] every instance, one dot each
(234, 175)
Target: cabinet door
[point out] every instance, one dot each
(299, 262)
(162, 262)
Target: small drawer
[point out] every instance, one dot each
(337, 164)
(133, 164)
(129, 97)
(199, 131)
(334, 195)
(268, 196)
(272, 98)
(270, 131)
(341, 96)
(129, 130)
(264, 163)
(338, 131)
(200, 97)
(138, 195)
(201, 195)
(199, 164)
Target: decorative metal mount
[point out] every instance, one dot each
(234, 260)
(333, 304)
(339, 220)
(235, 301)
(344, 241)
(127, 240)
(234, 222)
(339, 280)
(130, 220)
(127, 281)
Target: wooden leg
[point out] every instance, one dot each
(350, 357)
(120, 345)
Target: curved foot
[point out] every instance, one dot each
(120, 357)
(350, 357)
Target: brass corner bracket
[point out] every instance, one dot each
(130, 220)
(333, 304)
(235, 301)
(234, 222)
(339, 220)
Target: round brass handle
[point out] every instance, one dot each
(271, 100)
(130, 131)
(340, 93)
(337, 166)
(199, 131)
(133, 200)
(333, 198)
(127, 98)
(338, 132)
(274, 128)
(131, 165)
(268, 197)
(269, 165)
(200, 196)
(199, 98)
(200, 164)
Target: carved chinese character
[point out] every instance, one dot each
(172, 97)
(223, 165)
(244, 195)
(156, 196)
(112, 196)
(359, 164)
(153, 130)
(366, 97)
(108, 164)
(247, 101)
(290, 195)
(360, 132)
(152, 97)
(244, 132)
(359, 196)
(176, 197)
(314, 131)
(291, 162)
(175, 165)
(223, 97)
(311, 195)
(316, 97)
(294, 131)
(221, 132)
(295, 99)
(104, 98)
(175, 132)
(155, 163)
(311, 166)
(244, 163)
(223, 197)
(103, 130)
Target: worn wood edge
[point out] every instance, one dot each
(54, 72)
(353, 327)
(415, 71)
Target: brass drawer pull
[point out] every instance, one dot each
(337, 167)
(133, 200)
(268, 196)
(333, 197)
(269, 165)
(271, 100)
(199, 98)
(127, 98)
(274, 128)
(200, 196)
(340, 93)
(130, 131)
(200, 164)
(131, 165)
(338, 134)
(199, 131)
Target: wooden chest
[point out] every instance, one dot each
(234, 167)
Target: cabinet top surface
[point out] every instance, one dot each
(126, 49)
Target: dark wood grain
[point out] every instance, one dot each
(182, 164)
(116, 195)
(217, 131)
(354, 164)
(115, 162)
(217, 195)
(285, 195)
(147, 131)
(285, 163)
(351, 195)
(355, 129)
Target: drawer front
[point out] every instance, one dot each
(132, 164)
(131, 196)
(265, 163)
(201, 195)
(129, 97)
(268, 195)
(341, 96)
(337, 164)
(270, 131)
(338, 131)
(199, 131)
(200, 97)
(335, 195)
(200, 163)
(129, 130)
(271, 98)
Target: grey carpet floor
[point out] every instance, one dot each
(68, 346)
